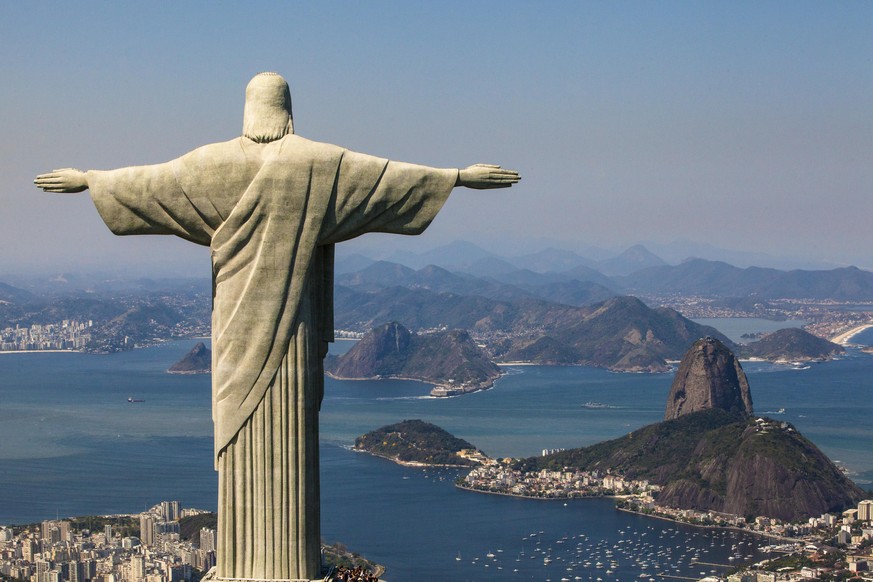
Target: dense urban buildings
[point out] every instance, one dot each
(64, 335)
(56, 551)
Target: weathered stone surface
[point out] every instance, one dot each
(709, 376)
(270, 205)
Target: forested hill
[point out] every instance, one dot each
(720, 461)
(621, 333)
(415, 441)
(792, 344)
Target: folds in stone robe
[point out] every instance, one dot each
(271, 214)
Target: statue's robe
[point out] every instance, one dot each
(270, 214)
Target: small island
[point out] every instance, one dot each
(449, 359)
(790, 345)
(197, 361)
(418, 443)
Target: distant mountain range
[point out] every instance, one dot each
(466, 257)
(538, 307)
(635, 271)
(716, 279)
(554, 255)
(621, 333)
(518, 284)
(630, 261)
(554, 318)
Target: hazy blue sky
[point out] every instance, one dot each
(746, 125)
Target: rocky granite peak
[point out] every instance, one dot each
(382, 352)
(710, 453)
(392, 351)
(709, 376)
(197, 361)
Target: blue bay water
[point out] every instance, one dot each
(71, 444)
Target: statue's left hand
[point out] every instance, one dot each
(66, 180)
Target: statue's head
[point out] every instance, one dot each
(267, 115)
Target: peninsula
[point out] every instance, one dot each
(711, 454)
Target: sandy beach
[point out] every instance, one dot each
(844, 337)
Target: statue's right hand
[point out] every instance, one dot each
(487, 176)
(66, 180)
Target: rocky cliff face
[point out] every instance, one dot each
(771, 470)
(709, 376)
(382, 352)
(391, 350)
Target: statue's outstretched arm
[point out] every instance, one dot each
(486, 176)
(65, 180)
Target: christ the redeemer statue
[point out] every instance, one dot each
(270, 205)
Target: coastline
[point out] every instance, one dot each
(640, 513)
(845, 337)
(41, 352)
(518, 496)
(372, 378)
(417, 464)
(731, 527)
(434, 385)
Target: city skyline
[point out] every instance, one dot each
(740, 126)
